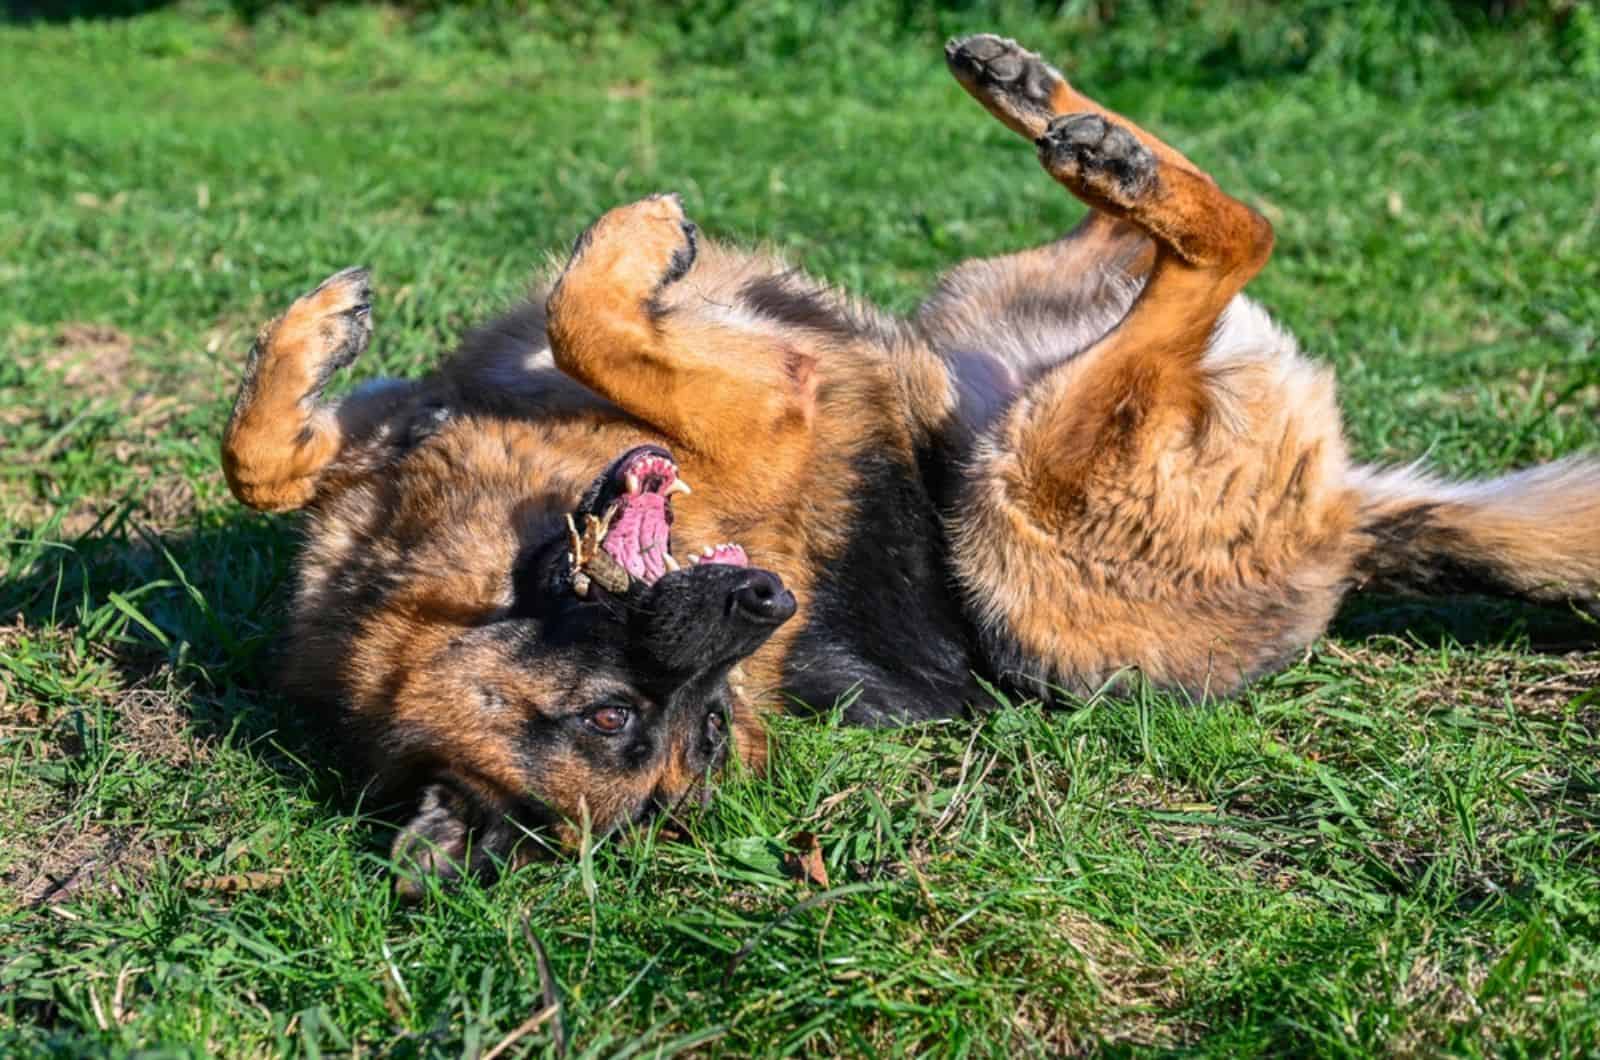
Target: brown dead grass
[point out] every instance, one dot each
(1136, 998)
(1130, 996)
(1437, 1003)
(1554, 391)
(93, 359)
(1440, 1001)
(1544, 687)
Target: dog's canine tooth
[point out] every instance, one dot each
(631, 482)
(671, 562)
(679, 486)
(574, 540)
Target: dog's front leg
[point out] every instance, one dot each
(625, 320)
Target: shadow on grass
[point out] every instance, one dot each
(192, 613)
(67, 10)
(175, 636)
(1470, 622)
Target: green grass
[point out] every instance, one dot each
(1390, 848)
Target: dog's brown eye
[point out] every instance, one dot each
(610, 720)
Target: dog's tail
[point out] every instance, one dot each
(1533, 534)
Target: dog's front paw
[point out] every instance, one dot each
(1099, 159)
(342, 308)
(322, 332)
(640, 247)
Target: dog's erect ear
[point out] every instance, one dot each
(437, 841)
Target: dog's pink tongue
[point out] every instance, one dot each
(638, 536)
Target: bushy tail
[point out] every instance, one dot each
(1532, 534)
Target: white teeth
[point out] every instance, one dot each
(671, 563)
(632, 482)
(679, 486)
(708, 552)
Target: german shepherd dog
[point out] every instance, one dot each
(552, 586)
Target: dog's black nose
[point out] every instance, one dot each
(760, 597)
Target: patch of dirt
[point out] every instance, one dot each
(151, 722)
(91, 358)
(170, 501)
(622, 90)
(78, 861)
(48, 852)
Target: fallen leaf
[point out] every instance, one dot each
(805, 858)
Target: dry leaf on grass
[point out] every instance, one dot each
(803, 860)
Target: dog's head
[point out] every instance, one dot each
(603, 697)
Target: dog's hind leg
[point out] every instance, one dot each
(998, 322)
(1168, 499)
(1026, 93)
(1188, 216)
(284, 447)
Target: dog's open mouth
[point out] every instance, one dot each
(625, 535)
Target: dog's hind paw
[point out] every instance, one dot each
(1016, 85)
(1098, 159)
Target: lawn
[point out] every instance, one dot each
(1391, 848)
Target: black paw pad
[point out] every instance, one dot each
(1003, 67)
(1099, 150)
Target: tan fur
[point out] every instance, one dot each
(1533, 533)
(1141, 471)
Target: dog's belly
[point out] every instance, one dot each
(995, 348)
(884, 633)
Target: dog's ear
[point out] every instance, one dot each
(441, 839)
